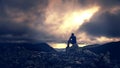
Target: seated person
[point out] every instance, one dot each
(72, 40)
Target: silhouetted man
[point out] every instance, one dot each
(72, 40)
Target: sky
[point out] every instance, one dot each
(53, 21)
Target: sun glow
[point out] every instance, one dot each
(78, 17)
(61, 19)
(66, 17)
(73, 20)
(58, 45)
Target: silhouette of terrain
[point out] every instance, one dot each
(29, 46)
(41, 55)
(113, 48)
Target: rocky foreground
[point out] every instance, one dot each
(32, 56)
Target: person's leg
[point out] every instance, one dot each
(68, 44)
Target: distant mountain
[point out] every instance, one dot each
(113, 48)
(41, 47)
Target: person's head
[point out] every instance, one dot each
(72, 34)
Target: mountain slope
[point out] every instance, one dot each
(113, 48)
(24, 55)
(44, 47)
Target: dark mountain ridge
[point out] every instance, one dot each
(113, 48)
(30, 46)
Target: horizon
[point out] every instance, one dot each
(63, 45)
(57, 45)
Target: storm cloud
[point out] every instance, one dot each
(16, 17)
(106, 24)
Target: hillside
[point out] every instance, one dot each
(41, 55)
(113, 48)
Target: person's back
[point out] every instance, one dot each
(73, 39)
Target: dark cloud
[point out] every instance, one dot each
(17, 16)
(24, 5)
(108, 3)
(10, 31)
(104, 4)
(105, 24)
(13, 28)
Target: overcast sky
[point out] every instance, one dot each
(52, 20)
